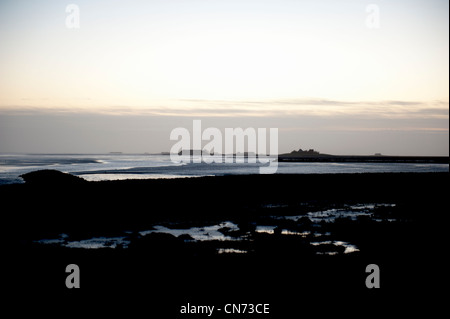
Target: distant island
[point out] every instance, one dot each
(312, 155)
(304, 153)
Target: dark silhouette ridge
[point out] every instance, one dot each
(315, 156)
(304, 153)
(51, 177)
(138, 204)
(312, 156)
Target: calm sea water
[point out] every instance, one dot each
(126, 166)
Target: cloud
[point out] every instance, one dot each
(353, 128)
(254, 108)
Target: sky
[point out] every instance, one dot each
(342, 77)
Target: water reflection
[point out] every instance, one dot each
(352, 212)
(348, 248)
(197, 233)
(230, 251)
(313, 228)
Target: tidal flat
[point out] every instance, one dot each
(278, 238)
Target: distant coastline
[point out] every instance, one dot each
(314, 156)
(365, 159)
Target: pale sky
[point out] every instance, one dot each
(134, 70)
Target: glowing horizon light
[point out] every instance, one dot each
(274, 50)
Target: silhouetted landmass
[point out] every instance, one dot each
(281, 269)
(327, 158)
(51, 178)
(304, 153)
(133, 203)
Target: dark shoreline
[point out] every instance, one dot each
(46, 199)
(366, 159)
(173, 272)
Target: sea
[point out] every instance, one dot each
(101, 167)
